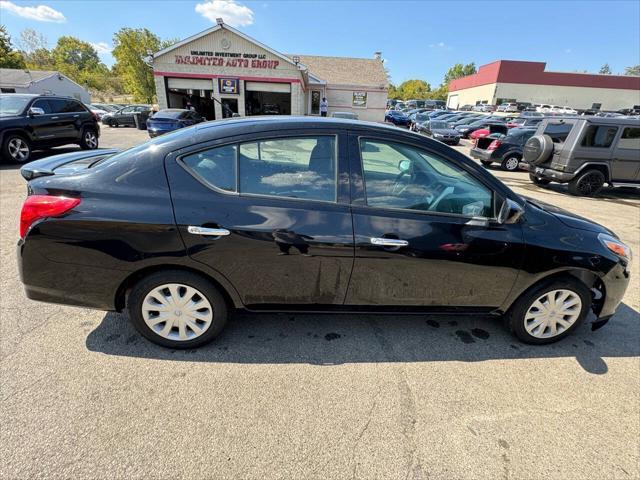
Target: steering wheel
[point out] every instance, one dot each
(398, 185)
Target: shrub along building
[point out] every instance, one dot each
(514, 81)
(222, 71)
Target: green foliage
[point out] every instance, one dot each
(132, 48)
(459, 70)
(9, 58)
(605, 69)
(635, 71)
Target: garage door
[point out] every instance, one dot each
(267, 87)
(453, 102)
(190, 83)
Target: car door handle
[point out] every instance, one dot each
(208, 232)
(388, 242)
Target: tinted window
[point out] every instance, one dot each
(630, 138)
(558, 131)
(400, 176)
(216, 166)
(43, 104)
(599, 136)
(70, 106)
(302, 167)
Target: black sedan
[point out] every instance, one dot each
(440, 131)
(125, 116)
(171, 119)
(397, 118)
(503, 149)
(306, 214)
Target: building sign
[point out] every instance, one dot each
(228, 85)
(227, 59)
(359, 99)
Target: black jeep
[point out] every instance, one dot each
(33, 122)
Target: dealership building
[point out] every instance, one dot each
(222, 71)
(514, 81)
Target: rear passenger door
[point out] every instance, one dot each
(269, 212)
(67, 116)
(625, 163)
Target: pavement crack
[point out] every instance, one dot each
(363, 430)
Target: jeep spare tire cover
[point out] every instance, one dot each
(538, 149)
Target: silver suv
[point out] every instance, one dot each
(585, 152)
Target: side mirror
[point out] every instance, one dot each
(510, 212)
(33, 111)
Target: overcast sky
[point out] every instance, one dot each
(418, 39)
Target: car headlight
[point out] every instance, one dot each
(616, 246)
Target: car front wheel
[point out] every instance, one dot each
(549, 311)
(177, 309)
(16, 148)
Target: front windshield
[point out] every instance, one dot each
(13, 104)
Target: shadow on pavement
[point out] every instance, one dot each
(337, 339)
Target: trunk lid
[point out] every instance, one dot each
(65, 163)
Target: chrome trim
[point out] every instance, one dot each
(388, 242)
(210, 232)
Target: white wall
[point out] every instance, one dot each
(340, 98)
(53, 85)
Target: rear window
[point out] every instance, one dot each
(599, 136)
(630, 138)
(558, 131)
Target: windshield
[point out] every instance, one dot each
(438, 124)
(13, 104)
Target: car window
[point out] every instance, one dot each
(401, 176)
(599, 136)
(71, 106)
(301, 167)
(43, 104)
(558, 131)
(216, 166)
(127, 110)
(630, 138)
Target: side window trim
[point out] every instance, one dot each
(494, 192)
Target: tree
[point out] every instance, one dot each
(605, 69)
(418, 89)
(634, 71)
(459, 70)
(132, 48)
(9, 58)
(75, 54)
(31, 40)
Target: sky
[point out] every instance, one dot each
(418, 39)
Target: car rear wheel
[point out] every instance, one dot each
(177, 309)
(549, 311)
(587, 183)
(510, 164)
(16, 148)
(89, 139)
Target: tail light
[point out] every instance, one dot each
(493, 145)
(37, 207)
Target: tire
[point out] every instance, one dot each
(524, 313)
(510, 163)
(16, 148)
(538, 149)
(89, 139)
(587, 184)
(538, 181)
(486, 163)
(113, 123)
(148, 293)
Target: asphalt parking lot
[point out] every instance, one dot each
(318, 396)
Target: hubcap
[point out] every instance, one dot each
(177, 312)
(90, 139)
(511, 163)
(18, 149)
(552, 313)
(589, 184)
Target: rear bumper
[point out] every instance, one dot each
(547, 173)
(481, 154)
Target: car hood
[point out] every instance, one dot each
(570, 219)
(445, 131)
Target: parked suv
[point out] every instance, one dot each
(585, 152)
(33, 122)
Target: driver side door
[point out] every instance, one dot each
(424, 234)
